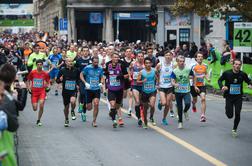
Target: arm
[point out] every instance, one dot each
(173, 80)
(30, 60)
(82, 78)
(139, 78)
(220, 80)
(214, 57)
(129, 72)
(59, 77)
(247, 80)
(21, 99)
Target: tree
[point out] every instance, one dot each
(208, 7)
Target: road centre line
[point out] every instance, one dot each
(178, 140)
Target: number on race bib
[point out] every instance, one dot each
(70, 85)
(235, 89)
(113, 81)
(37, 83)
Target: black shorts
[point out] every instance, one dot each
(195, 94)
(166, 90)
(127, 84)
(145, 97)
(67, 97)
(138, 88)
(92, 94)
(115, 95)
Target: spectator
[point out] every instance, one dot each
(193, 50)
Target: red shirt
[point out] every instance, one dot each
(39, 80)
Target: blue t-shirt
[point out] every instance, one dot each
(54, 59)
(92, 76)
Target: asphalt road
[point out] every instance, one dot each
(198, 144)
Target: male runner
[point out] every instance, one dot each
(233, 91)
(92, 77)
(38, 81)
(181, 82)
(81, 63)
(115, 73)
(134, 68)
(34, 57)
(54, 58)
(127, 88)
(199, 88)
(148, 78)
(165, 87)
(69, 76)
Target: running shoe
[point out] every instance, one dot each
(39, 123)
(171, 114)
(180, 125)
(80, 109)
(73, 115)
(129, 112)
(164, 122)
(83, 117)
(120, 122)
(94, 124)
(110, 114)
(56, 93)
(145, 126)
(140, 122)
(234, 133)
(66, 123)
(153, 121)
(194, 109)
(114, 124)
(202, 118)
(186, 114)
(159, 105)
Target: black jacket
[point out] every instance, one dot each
(11, 107)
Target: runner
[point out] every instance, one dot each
(71, 53)
(34, 57)
(81, 63)
(69, 76)
(180, 80)
(148, 77)
(115, 73)
(38, 81)
(92, 77)
(199, 88)
(233, 91)
(127, 88)
(54, 58)
(134, 68)
(165, 87)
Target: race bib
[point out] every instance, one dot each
(166, 80)
(200, 79)
(135, 75)
(70, 85)
(183, 88)
(38, 83)
(113, 81)
(94, 82)
(235, 89)
(149, 86)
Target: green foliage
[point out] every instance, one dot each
(207, 7)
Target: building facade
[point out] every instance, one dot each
(44, 13)
(108, 20)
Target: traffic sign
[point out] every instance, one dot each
(242, 37)
(63, 25)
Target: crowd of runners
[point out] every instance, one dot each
(141, 71)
